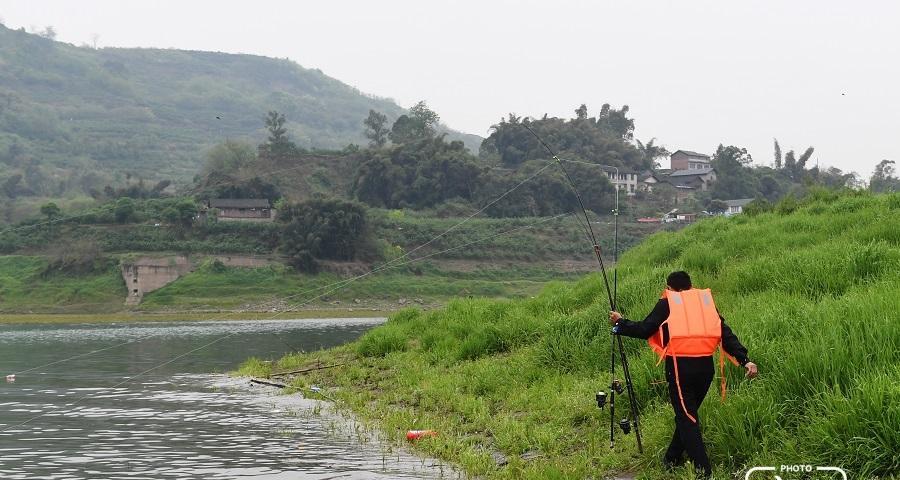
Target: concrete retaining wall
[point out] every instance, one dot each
(146, 274)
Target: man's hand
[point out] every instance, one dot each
(752, 371)
(614, 317)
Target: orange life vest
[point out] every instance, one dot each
(695, 330)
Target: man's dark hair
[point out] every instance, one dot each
(679, 281)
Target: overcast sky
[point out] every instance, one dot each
(695, 73)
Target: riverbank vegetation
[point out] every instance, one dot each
(278, 288)
(810, 287)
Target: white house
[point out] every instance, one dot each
(736, 207)
(625, 180)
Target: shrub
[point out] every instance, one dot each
(382, 341)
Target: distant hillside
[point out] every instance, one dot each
(76, 111)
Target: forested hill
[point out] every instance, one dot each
(153, 113)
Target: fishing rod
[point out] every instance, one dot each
(611, 293)
(626, 370)
(587, 220)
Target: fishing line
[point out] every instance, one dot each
(338, 284)
(275, 301)
(338, 287)
(587, 220)
(229, 335)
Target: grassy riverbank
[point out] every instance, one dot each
(811, 289)
(32, 290)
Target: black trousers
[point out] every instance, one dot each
(695, 375)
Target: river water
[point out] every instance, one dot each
(84, 418)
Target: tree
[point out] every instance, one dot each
(275, 125)
(216, 185)
(581, 112)
(616, 121)
(651, 152)
(376, 129)
(795, 167)
(834, 177)
(50, 210)
(884, 178)
(418, 174)
(278, 142)
(181, 213)
(602, 140)
(406, 129)
(418, 125)
(778, 158)
(322, 229)
(769, 187)
(428, 117)
(733, 178)
(124, 210)
(230, 156)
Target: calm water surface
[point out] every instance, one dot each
(85, 419)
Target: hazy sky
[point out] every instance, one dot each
(695, 73)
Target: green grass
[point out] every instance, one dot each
(234, 288)
(559, 238)
(813, 294)
(26, 285)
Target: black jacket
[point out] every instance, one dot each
(660, 313)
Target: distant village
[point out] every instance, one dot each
(690, 172)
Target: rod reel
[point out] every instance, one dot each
(617, 386)
(601, 400)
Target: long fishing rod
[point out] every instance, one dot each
(615, 386)
(593, 237)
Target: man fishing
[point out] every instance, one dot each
(685, 329)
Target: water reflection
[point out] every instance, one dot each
(180, 421)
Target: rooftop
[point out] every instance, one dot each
(741, 202)
(689, 173)
(692, 154)
(238, 203)
(621, 170)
